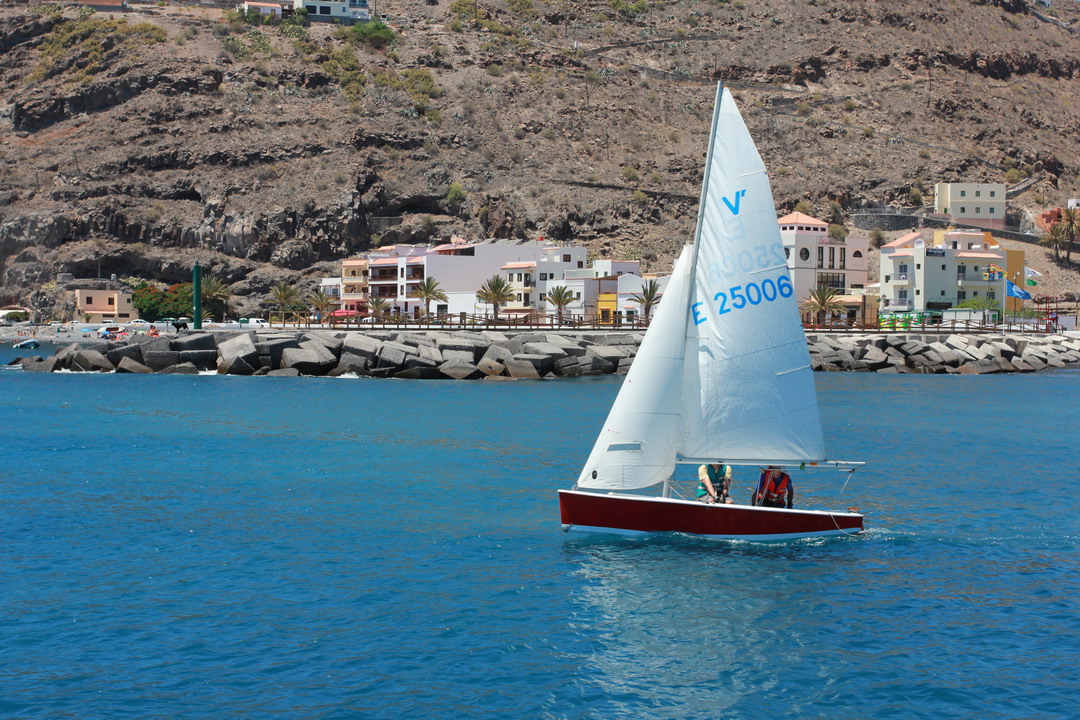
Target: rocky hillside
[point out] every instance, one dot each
(139, 142)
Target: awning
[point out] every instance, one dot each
(342, 313)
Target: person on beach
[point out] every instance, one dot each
(774, 489)
(714, 483)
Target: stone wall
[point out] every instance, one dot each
(466, 355)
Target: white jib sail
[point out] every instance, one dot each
(748, 390)
(637, 446)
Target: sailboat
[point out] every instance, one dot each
(722, 375)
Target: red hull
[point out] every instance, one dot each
(633, 514)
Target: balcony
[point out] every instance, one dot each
(384, 291)
(975, 281)
(414, 274)
(384, 275)
(898, 303)
(901, 279)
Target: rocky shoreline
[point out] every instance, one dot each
(464, 355)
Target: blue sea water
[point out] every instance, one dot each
(187, 547)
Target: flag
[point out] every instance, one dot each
(1028, 272)
(995, 268)
(1031, 282)
(1013, 290)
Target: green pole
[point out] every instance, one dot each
(196, 291)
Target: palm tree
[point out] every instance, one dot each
(648, 297)
(560, 296)
(496, 291)
(1070, 220)
(284, 295)
(427, 290)
(1055, 239)
(822, 302)
(378, 306)
(320, 302)
(216, 294)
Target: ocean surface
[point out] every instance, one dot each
(224, 547)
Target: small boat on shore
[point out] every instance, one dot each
(31, 344)
(723, 375)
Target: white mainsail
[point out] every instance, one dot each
(748, 390)
(723, 372)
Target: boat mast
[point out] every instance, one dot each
(705, 183)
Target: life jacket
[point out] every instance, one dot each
(774, 489)
(716, 477)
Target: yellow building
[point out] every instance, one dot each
(607, 304)
(100, 306)
(354, 284)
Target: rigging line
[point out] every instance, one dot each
(765, 270)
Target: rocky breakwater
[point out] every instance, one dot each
(954, 354)
(416, 354)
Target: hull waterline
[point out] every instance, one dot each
(640, 515)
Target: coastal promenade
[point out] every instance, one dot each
(488, 354)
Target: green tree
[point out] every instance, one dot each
(838, 232)
(836, 213)
(147, 299)
(560, 296)
(378, 307)
(216, 295)
(283, 295)
(320, 302)
(821, 302)
(915, 197)
(427, 290)
(804, 207)
(648, 297)
(1070, 220)
(980, 303)
(455, 195)
(1055, 239)
(496, 291)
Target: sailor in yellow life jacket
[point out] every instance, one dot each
(714, 483)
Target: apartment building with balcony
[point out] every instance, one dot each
(814, 259)
(530, 279)
(981, 204)
(603, 279)
(953, 266)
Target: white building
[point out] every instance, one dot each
(530, 279)
(816, 260)
(349, 11)
(981, 204)
(920, 276)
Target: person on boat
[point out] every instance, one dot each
(714, 483)
(774, 489)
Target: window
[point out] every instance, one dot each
(991, 295)
(804, 254)
(566, 258)
(89, 300)
(311, 9)
(857, 254)
(991, 211)
(943, 266)
(125, 314)
(832, 257)
(581, 263)
(401, 272)
(843, 258)
(918, 291)
(519, 297)
(978, 210)
(978, 193)
(577, 296)
(821, 257)
(902, 295)
(112, 301)
(961, 295)
(902, 269)
(993, 193)
(918, 266)
(942, 293)
(787, 253)
(324, 9)
(831, 280)
(542, 298)
(963, 193)
(543, 276)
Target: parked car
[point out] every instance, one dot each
(140, 323)
(254, 322)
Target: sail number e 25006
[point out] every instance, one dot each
(738, 297)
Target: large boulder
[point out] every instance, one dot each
(521, 369)
(461, 370)
(158, 360)
(242, 347)
(91, 361)
(181, 369)
(491, 367)
(610, 353)
(545, 348)
(542, 363)
(328, 340)
(49, 364)
(129, 350)
(365, 347)
(473, 349)
(274, 347)
(309, 359)
(129, 365)
(194, 341)
(202, 359)
(284, 372)
(235, 365)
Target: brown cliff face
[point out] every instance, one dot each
(147, 140)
